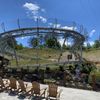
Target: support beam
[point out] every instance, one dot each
(14, 51)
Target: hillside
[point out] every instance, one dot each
(93, 55)
(51, 55)
(44, 56)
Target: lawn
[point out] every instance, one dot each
(50, 56)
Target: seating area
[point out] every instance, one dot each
(47, 84)
(28, 90)
(72, 76)
(36, 91)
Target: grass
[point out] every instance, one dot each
(93, 55)
(45, 56)
(97, 76)
(45, 53)
(50, 55)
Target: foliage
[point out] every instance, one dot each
(65, 47)
(19, 46)
(13, 44)
(52, 43)
(96, 44)
(88, 46)
(33, 42)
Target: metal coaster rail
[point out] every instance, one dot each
(78, 38)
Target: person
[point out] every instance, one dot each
(85, 73)
(77, 72)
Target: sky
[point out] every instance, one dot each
(82, 12)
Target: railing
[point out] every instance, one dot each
(50, 23)
(6, 26)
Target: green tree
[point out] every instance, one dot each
(33, 42)
(65, 47)
(19, 46)
(88, 45)
(12, 42)
(52, 42)
(86, 35)
(96, 44)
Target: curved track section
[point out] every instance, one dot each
(38, 31)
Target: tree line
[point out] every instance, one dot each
(51, 42)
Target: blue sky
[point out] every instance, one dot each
(83, 12)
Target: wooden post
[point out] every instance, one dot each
(94, 81)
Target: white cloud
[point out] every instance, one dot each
(34, 8)
(90, 42)
(50, 24)
(63, 27)
(54, 25)
(92, 32)
(24, 38)
(43, 10)
(34, 11)
(43, 19)
(69, 27)
(62, 41)
(57, 25)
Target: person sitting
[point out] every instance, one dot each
(77, 73)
